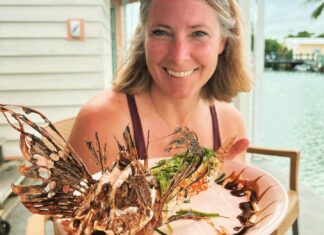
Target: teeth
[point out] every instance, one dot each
(180, 74)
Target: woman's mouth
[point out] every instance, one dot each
(180, 74)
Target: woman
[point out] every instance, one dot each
(186, 58)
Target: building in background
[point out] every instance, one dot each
(55, 55)
(306, 48)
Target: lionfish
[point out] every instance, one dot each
(126, 199)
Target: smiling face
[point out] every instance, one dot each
(182, 43)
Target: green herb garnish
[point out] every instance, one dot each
(184, 212)
(166, 169)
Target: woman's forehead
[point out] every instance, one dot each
(191, 12)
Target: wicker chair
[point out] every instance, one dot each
(36, 223)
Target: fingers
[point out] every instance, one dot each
(238, 148)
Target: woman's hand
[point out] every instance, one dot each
(238, 148)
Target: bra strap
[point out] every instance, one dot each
(137, 127)
(216, 135)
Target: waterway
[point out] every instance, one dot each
(292, 116)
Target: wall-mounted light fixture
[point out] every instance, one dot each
(75, 29)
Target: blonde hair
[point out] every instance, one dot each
(231, 75)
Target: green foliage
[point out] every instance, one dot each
(303, 34)
(272, 46)
(290, 36)
(318, 10)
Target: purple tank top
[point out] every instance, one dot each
(138, 130)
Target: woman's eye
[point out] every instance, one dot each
(198, 34)
(159, 33)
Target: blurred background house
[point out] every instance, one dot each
(305, 46)
(54, 55)
(310, 50)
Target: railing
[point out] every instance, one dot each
(314, 61)
(291, 57)
(306, 56)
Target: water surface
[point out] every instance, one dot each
(292, 116)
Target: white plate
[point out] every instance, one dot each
(273, 204)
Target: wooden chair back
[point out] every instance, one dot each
(291, 218)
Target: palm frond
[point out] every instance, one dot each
(318, 11)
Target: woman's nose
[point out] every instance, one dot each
(179, 50)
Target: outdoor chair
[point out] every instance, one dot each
(291, 218)
(37, 223)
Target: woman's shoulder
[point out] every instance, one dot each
(105, 108)
(230, 120)
(105, 114)
(227, 110)
(107, 100)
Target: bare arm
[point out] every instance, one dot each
(106, 114)
(84, 129)
(231, 124)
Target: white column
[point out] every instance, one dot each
(258, 70)
(244, 101)
(131, 15)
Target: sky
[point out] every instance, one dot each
(283, 17)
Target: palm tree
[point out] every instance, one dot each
(318, 10)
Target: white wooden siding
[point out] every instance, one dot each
(45, 81)
(40, 68)
(27, 47)
(54, 30)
